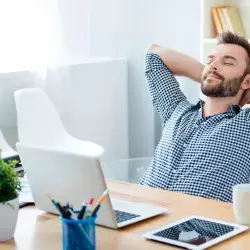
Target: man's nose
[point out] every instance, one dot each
(214, 65)
(213, 68)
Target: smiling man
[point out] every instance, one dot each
(205, 148)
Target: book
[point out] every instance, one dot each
(233, 19)
(216, 20)
(222, 18)
(227, 18)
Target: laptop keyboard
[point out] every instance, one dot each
(123, 216)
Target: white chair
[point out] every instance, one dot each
(39, 124)
(7, 151)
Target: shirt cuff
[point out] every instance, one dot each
(153, 62)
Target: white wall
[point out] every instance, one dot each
(118, 28)
(9, 82)
(74, 17)
(125, 28)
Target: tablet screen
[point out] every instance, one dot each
(195, 231)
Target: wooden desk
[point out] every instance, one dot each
(37, 230)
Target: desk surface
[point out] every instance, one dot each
(37, 230)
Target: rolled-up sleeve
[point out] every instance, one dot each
(163, 87)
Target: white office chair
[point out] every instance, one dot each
(7, 151)
(39, 124)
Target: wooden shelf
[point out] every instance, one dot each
(213, 40)
(210, 40)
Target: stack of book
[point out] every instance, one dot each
(227, 18)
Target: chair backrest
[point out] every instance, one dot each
(3, 143)
(4, 146)
(39, 124)
(66, 177)
(38, 121)
(6, 150)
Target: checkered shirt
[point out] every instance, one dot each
(198, 156)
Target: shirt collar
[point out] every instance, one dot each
(233, 110)
(199, 104)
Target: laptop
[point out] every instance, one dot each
(75, 178)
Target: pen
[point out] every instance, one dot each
(67, 206)
(96, 210)
(64, 213)
(58, 206)
(72, 214)
(91, 201)
(82, 211)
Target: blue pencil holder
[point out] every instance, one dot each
(78, 234)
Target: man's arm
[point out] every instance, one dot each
(179, 63)
(163, 88)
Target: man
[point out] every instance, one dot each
(205, 148)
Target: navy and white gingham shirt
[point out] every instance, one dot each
(198, 156)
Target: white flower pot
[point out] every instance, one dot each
(8, 219)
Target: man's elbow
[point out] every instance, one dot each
(153, 48)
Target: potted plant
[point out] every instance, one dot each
(9, 203)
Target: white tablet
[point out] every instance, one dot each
(195, 232)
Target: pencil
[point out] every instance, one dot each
(59, 207)
(53, 201)
(102, 197)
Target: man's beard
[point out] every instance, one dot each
(226, 88)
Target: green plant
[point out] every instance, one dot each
(9, 180)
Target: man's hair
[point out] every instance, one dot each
(228, 37)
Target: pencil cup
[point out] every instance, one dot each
(78, 234)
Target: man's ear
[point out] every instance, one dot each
(246, 82)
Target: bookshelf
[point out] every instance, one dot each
(208, 33)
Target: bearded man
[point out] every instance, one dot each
(205, 148)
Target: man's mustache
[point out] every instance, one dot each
(216, 74)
